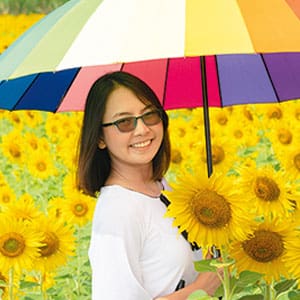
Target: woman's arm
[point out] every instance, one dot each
(208, 281)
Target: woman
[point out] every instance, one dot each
(135, 253)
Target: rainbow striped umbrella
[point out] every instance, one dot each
(192, 52)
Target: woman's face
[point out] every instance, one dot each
(134, 148)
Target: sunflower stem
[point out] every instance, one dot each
(226, 276)
(43, 294)
(226, 284)
(11, 283)
(269, 292)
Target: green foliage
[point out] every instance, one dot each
(16, 7)
(200, 295)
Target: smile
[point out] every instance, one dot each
(141, 145)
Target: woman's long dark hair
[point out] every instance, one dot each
(94, 164)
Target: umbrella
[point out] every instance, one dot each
(193, 53)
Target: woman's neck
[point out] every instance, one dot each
(140, 181)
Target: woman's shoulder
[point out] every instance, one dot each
(123, 200)
(119, 209)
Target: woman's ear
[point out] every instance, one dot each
(101, 144)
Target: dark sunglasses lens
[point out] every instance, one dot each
(152, 118)
(127, 124)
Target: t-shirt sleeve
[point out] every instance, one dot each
(116, 273)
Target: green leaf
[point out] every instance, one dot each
(204, 266)
(28, 284)
(219, 264)
(252, 297)
(294, 295)
(284, 286)
(247, 278)
(200, 295)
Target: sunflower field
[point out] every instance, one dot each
(248, 208)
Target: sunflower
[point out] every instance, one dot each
(19, 243)
(7, 195)
(77, 207)
(53, 127)
(274, 111)
(292, 258)
(263, 251)
(32, 118)
(22, 209)
(223, 152)
(54, 209)
(68, 157)
(183, 139)
(270, 191)
(16, 120)
(13, 147)
(209, 209)
(58, 244)
(35, 143)
(290, 160)
(41, 165)
(282, 134)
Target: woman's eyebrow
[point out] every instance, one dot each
(125, 113)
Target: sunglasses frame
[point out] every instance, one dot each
(135, 119)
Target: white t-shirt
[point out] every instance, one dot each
(135, 252)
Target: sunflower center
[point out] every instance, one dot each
(218, 154)
(297, 161)
(51, 244)
(30, 114)
(176, 156)
(80, 209)
(248, 114)
(16, 118)
(12, 244)
(222, 119)
(238, 133)
(275, 113)
(41, 166)
(211, 209)
(265, 246)
(14, 151)
(5, 198)
(181, 132)
(284, 136)
(266, 189)
(33, 144)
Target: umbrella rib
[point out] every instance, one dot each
(165, 83)
(269, 76)
(66, 91)
(27, 89)
(206, 117)
(218, 78)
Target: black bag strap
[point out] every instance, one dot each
(167, 202)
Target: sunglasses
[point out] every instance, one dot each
(129, 123)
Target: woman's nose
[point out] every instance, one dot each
(141, 127)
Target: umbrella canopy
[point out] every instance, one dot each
(192, 52)
(161, 42)
(93, 32)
